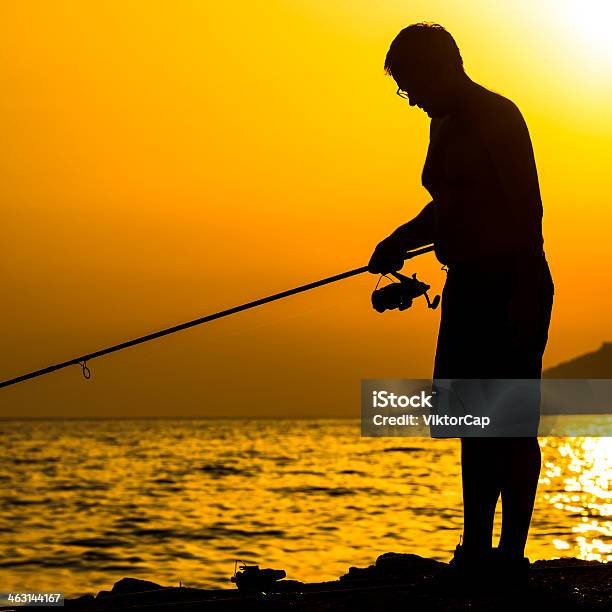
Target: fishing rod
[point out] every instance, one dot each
(386, 298)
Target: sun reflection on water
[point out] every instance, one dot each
(577, 473)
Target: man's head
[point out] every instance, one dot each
(426, 64)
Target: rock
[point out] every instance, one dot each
(399, 563)
(565, 562)
(395, 581)
(133, 585)
(79, 602)
(393, 567)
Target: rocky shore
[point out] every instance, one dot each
(395, 581)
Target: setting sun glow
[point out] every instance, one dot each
(162, 162)
(590, 21)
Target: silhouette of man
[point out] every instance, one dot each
(485, 221)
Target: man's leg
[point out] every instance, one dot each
(519, 481)
(480, 465)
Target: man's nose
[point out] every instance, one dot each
(411, 101)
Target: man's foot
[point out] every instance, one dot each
(466, 572)
(483, 573)
(510, 571)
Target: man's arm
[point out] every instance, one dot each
(389, 254)
(510, 150)
(506, 139)
(416, 233)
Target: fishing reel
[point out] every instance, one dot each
(400, 295)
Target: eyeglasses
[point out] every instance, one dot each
(402, 94)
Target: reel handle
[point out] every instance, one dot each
(433, 304)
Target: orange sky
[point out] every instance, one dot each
(161, 161)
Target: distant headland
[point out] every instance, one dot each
(597, 364)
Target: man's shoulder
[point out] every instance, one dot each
(497, 118)
(495, 109)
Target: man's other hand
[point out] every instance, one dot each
(388, 257)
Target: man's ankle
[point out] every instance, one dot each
(510, 554)
(476, 551)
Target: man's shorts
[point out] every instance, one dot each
(481, 339)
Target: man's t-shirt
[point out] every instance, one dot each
(480, 171)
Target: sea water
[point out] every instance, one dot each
(84, 503)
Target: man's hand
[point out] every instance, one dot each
(387, 257)
(389, 254)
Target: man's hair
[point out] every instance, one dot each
(427, 45)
